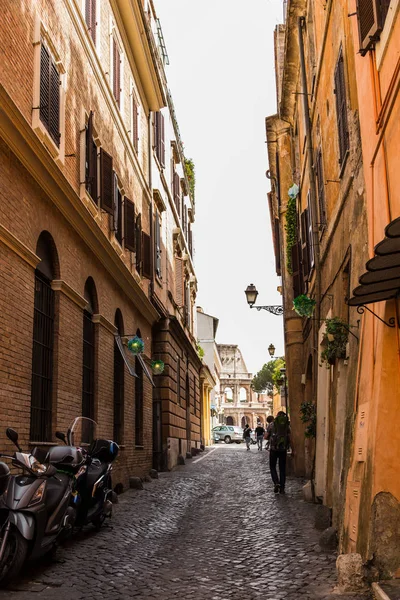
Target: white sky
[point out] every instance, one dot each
(221, 76)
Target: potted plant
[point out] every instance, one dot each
(304, 306)
(335, 340)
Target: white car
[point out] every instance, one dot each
(228, 434)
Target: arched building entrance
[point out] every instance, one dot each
(229, 421)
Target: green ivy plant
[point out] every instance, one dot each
(200, 351)
(304, 306)
(291, 231)
(308, 414)
(335, 340)
(190, 174)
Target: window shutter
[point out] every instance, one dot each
(129, 214)
(107, 182)
(310, 237)
(190, 240)
(277, 248)
(93, 21)
(88, 13)
(162, 141)
(176, 191)
(296, 268)
(116, 72)
(369, 23)
(158, 246)
(304, 245)
(138, 243)
(115, 202)
(320, 187)
(146, 249)
(179, 284)
(54, 110)
(341, 108)
(44, 85)
(135, 130)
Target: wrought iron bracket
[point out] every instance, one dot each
(275, 310)
(361, 309)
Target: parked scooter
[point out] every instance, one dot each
(93, 495)
(35, 507)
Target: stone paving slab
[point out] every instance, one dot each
(212, 530)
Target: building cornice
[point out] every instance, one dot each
(25, 144)
(100, 320)
(58, 285)
(18, 247)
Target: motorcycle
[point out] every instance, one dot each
(93, 496)
(35, 507)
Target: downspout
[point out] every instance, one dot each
(314, 210)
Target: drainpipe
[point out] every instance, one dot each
(313, 200)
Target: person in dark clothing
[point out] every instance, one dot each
(259, 435)
(270, 420)
(246, 435)
(280, 440)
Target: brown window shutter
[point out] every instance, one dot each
(157, 134)
(162, 141)
(138, 243)
(129, 218)
(107, 182)
(341, 108)
(369, 23)
(135, 130)
(319, 167)
(54, 109)
(88, 13)
(91, 160)
(177, 191)
(190, 241)
(305, 252)
(116, 72)
(157, 247)
(93, 21)
(179, 282)
(296, 268)
(310, 236)
(277, 248)
(44, 85)
(147, 262)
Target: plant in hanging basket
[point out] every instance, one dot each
(157, 366)
(136, 345)
(304, 306)
(335, 340)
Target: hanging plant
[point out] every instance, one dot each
(157, 366)
(136, 345)
(335, 340)
(291, 227)
(308, 414)
(200, 351)
(190, 174)
(304, 306)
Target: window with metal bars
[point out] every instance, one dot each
(42, 360)
(119, 386)
(341, 109)
(49, 109)
(88, 366)
(138, 403)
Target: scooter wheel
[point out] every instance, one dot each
(14, 557)
(98, 521)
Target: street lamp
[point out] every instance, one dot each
(251, 297)
(271, 350)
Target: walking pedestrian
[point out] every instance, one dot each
(260, 435)
(279, 437)
(246, 435)
(270, 420)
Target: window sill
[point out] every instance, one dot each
(90, 204)
(116, 245)
(47, 140)
(42, 443)
(139, 447)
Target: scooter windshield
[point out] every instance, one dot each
(82, 431)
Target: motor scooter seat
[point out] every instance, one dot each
(95, 470)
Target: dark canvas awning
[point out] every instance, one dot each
(381, 281)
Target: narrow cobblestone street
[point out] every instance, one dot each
(212, 529)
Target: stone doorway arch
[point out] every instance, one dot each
(229, 421)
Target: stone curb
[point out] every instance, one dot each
(379, 594)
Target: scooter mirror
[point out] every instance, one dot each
(61, 436)
(13, 436)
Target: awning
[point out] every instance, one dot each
(381, 281)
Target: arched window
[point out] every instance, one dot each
(43, 340)
(228, 394)
(119, 383)
(243, 422)
(229, 420)
(138, 400)
(89, 350)
(243, 394)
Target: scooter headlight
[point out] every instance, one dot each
(38, 495)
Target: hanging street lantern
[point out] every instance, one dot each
(136, 345)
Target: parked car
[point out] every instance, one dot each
(228, 434)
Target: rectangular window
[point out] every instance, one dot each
(305, 251)
(319, 171)
(146, 256)
(107, 182)
(179, 290)
(49, 95)
(159, 137)
(157, 246)
(138, 236)
(190, 240)
(91, 161)
(341, 109)
(116, 60)
(176, 191)
(90, 18)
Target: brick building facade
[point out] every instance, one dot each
(81, 84)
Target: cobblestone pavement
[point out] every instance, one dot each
(212, 529)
